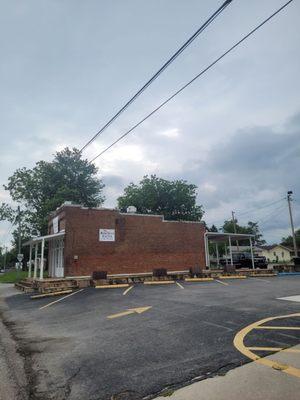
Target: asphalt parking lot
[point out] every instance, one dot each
(98, 343)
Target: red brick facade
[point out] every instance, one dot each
(142, 242)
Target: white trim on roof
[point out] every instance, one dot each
(219, 236)
(39, 239)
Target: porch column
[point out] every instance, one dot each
(217, 254)
(208, 254)
(230, 250)
(35, 260)
(206, 248)
(30, 260)
(252, 257)
(42, 260)
(226, 260)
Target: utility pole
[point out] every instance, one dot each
(19, 230)
(4, 261)
(234, 228)
(289, 199)
(19, 240)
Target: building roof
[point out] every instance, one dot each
(272, 246)
(223, 237)
(38, 239)
(134, 214)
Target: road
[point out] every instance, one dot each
(95, 345)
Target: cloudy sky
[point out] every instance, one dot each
(68, 65)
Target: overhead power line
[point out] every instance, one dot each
(161, 69)
(261, 207)
(192, 80)
(274, 212)
(254, 210)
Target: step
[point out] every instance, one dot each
(26, 283)
(58, 284)
(58, 293)
(56, 289)
(25, 289)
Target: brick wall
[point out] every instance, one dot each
(141, 242)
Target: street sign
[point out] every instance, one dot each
(20, 257)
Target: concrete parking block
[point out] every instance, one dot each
(232, 277)
(158, 282)
(116, 286)
(198, 279)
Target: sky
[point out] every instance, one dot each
(67, 66)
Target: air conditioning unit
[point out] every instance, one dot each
(131, 209)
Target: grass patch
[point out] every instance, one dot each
(167, 392)
(13, 276)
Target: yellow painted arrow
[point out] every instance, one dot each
(138, 310)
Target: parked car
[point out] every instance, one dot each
(244, 260)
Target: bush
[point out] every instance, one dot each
(99, 275)
(159, 272)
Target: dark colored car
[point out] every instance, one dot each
(244, 260)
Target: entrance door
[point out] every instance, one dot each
(56, 258)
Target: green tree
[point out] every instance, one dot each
(213, 228)
(175, 200)
(45, 187)
(10, 257)
(251, 228)
(288, 241)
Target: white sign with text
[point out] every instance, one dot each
(106, 235)
(55, 225)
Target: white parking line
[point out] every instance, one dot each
(178, 284)
(62, 298)
(127, 290)
(223, 283)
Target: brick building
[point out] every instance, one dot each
(82, 240)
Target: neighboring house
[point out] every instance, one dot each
(276, 253)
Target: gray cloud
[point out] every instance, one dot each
(67, 66)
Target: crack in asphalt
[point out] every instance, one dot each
(220, 371)
(26, 354)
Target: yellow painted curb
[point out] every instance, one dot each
(40, 296)
(117, 285)
(233, 277)
(198, 279)
(158, 282)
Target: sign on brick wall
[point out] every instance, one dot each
(106, 235)
(55, 224)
